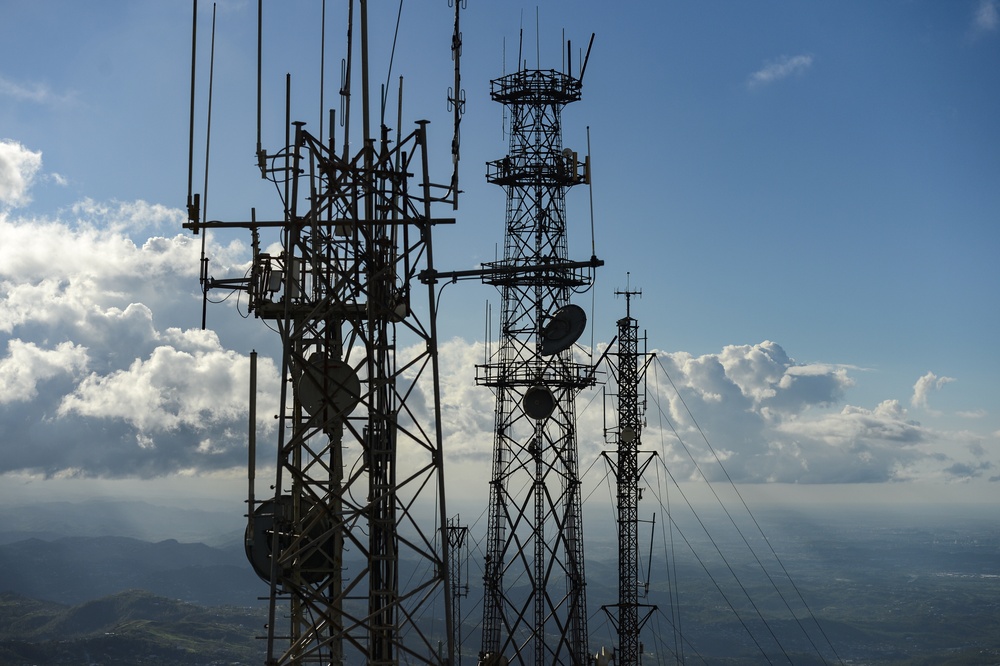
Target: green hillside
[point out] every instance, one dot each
(132, 627)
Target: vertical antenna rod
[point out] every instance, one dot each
(456, 100)
(192, 205)
(208, 152)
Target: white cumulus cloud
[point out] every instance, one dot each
(18, 168)
(104, 374)
(27, 364)
(924, 386)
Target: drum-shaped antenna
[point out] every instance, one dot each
(563, 329)
(538, 402)
(332, 384)
(275, 516)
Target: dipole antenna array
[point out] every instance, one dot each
(353, 543)
(628, 365)
(534, 607)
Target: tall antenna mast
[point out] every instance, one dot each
(535, 529)
(628, 616)
(358, 486)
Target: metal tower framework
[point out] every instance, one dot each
(354, 541)
(628, 616)
(458, 553)
(534, 610)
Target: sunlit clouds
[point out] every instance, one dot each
(18, 168)
(924, 386)
(99, 374)
(103, 374)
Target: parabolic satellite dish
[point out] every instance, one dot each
(563, 329)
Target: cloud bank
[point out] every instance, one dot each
(96, 377)
(100, 378)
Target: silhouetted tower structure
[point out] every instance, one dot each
(458, 553)
(628, 367)
(354, 541)
(534, 610)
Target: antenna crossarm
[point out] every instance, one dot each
(493, 273)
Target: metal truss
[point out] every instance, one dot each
(344, 542)
(534, 610)
(628, 368)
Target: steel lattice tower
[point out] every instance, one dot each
(534, 610)
(628, 615)
(354, 540)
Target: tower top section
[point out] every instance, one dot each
(536, 86)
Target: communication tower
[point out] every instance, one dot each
(628, 366)
(354, 541)
(534, 609)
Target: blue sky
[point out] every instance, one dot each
(806, 193)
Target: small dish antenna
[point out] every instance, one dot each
(538, 403)
(563, 329)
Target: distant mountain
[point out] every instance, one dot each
(73, 570)
(139, 520)
(131, 627)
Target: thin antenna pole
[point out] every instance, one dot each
(538, 40)
(569, 57)
(252, 440)
(520, 44)
(288, 143)
(590, 190)
(503, 71)
(365, 120)
(260, 41)
(345, 90)
(456, 99)
(194, 56)
(322, 68)
(392, 56)
(586, 58)
(211, 83)
(208, 151)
